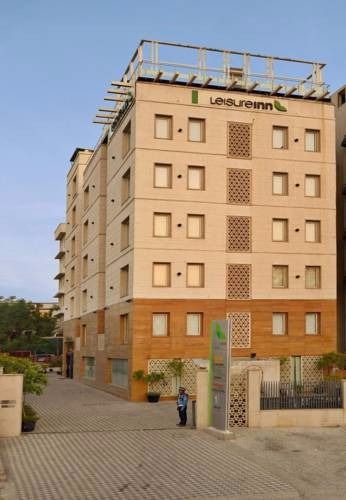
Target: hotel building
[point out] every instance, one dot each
(210, 194)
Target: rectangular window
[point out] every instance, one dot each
(71, 306)
(85, 266)
(312, 323)
(126, 139)
(195, 226)
(125, 233)
(73, 216)
(161, 274)
(85, 232)
(124, 328)
(83, 335)
(194, 322)
(73, 276)
(196, 127)
(313, 231)
(297, 370)
(84, 300)
(89, 368)
(195, 275)
(163, 127)
(73, 246)
(313, 186)
(160, 324)
(280, 230)
(280, 137)
(86, 198)
(196, 178)
(280, 277)
(120, 373)
(124, 281)
(162, 225)
(125, 186)
(312, 140)
(280, 183)
(162, 175)
(279, 322)
(312, 277)
(74, 186)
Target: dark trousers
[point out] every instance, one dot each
(183, 415)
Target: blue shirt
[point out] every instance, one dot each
(182, 400)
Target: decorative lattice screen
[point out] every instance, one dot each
(239, 140)
(238, 400)
(168, 387)
(238, 186)
(238, 285)
(310, 372)
(238, 234)
(286, 370)
(241, 329)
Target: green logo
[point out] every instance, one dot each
(194, 96)
(220, 333)
(279, 107)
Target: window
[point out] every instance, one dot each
(342, 97)
(279, 321)
(280, 230)
(124, 281)
(195, 226)
(84, 300)
(162, 175)
(194, 322)
(85, 266)
(73, 216)
(74, 186)
(280, 277)
(163, 127)
(126, 139)
(312, 323)
(71, 306)
(297, 370)
(85, 232)
(195, 275)
(162, 225)
(196, 127)
(125, 233)
(160, 324)
(89, 368)
(124, 328)
(312, 277)
(196, 178)
(312, 140)
(73, 274)
(280, 183)
(280, 137)
(83, 335)
(73, 246)
(86, 198)
(313, 186)
(125, 186)
(120, 373)
(313, 231)
(161, 274)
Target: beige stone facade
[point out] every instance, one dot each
(189, 210)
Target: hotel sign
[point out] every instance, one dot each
(241, 103)
(220, 360)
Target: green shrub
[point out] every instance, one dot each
(34, 378)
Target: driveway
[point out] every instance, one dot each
(91, 445)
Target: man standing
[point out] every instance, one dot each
(182, 406)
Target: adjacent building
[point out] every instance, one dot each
(210, 194)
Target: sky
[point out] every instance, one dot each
(57, 59)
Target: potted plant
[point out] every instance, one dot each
(176, 366)
(150, 378)
(34, 380)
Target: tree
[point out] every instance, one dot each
(22, 326)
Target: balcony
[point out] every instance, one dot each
(60, 274)
(60, 231)
(59, 294)
(60, 254)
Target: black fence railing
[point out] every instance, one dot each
(280, 396)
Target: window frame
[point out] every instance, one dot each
(170, 176)
(124, 287)
(169, 275)
(319, 278)
(201, 169)
(316, 176)
(283, 175)
(202, 274)
(202, 234)
(285, 231)
(170, 127)
(319, 230)
(202, 122)
(125, 188)
(317, 315)
(168, 217)
(125, 233)
(126, 139)
(167, 324)
(285, 136)
(200, 315)
(285, 316)
(286, 284)
(317, 141)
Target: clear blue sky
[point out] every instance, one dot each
(57, 58)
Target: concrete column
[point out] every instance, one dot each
(11, 402)
(202, 410)
(254, 396)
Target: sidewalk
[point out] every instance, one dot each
(91, 445)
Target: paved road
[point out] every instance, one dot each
(91, 445)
